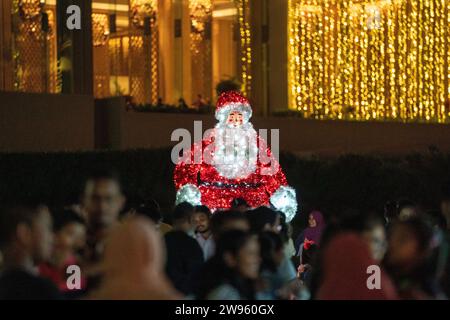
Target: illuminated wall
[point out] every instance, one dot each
(201, 51)
(370, 60)
(34, 47)
(101, 57)
(144, 51)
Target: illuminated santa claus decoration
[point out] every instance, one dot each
(233, 161)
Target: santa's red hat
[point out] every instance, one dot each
(232, 101)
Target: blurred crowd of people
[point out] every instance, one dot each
(107, 248)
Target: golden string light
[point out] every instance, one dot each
(346, 66)
(294, 43)
(412, 60)
(370, 60)
(364, 70)
(310, 77)
(441, 57)
(154, 58)
(447, 33)
(328, 49)
(245, 43)
(200, 18)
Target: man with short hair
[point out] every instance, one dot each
(102, 200)
(184, 255)
(203, 234)
(26, 240)
(239, 204)
(223, 221)
(152, 210)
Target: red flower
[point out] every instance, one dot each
(307, 243)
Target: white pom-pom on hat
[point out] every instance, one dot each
(285, 200)
(189, 193)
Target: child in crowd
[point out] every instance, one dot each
(69, 238)
(231, 274)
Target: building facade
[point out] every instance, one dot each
(322, 59)
(147, 49)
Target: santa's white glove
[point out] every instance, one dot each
(285, 200)
(189, 193)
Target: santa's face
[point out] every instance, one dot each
(235, 119)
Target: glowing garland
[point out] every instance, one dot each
(243, 8)
(370, 60)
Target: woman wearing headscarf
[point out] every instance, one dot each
(345, 273)
(313, 233)
(133, 266)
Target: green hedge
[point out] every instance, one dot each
(364, 182)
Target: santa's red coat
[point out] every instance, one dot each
(217, 192)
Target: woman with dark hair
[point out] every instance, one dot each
(264, 219)
(272, 255)
(277, 280)
(371, 227)
(409, 259)
(232, 272)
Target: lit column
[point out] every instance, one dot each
(256, 84)
(166, 44)
(100, 35)
(278, 56)
(182, 57)
(6, 66)
(225, 39)
(75, 49)
(144, 51)
(201, 50)
(29, 46)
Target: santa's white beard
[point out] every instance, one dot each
(235, 150)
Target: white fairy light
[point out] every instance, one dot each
(189, 193)
(284, 200)
(236, 151)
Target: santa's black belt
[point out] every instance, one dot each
(230, 185)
